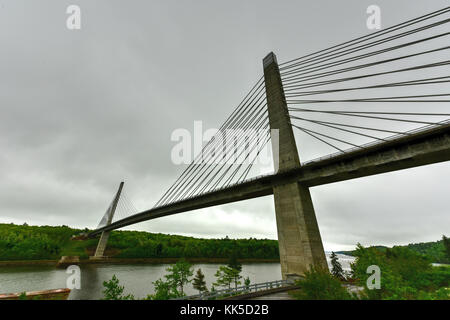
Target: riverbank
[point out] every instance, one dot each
(28, 263)
(55, 294)
(149, 261)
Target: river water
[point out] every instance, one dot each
(137, 279)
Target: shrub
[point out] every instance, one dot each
(321, 285)
(405, 274)
(113, 291)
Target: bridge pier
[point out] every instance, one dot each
(101, 247)
(298, 232)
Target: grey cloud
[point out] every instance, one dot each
(82, 110)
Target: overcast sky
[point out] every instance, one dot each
(82, 110)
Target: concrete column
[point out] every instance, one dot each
(298, 232)
(101, 247)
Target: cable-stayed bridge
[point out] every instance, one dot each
(375, 104)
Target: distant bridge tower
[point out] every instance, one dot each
(99, 252)
(298, 232)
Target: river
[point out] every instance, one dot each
(137, 279)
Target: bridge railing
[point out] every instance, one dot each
(236, 291)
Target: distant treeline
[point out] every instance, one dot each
(438, 251)
(49, 243)
(23, 242)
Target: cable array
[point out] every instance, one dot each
(125, 207)
(229, 156)
(384, 83)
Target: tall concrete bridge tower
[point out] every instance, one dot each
(298, 232)
(101, 247)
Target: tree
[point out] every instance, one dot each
(236, 276)
(235, 269)
(225, 277)
(199, 282)
(179, 274)
(113, 291)
(23, 296)
(159, 249)
(447, 246)
(247, 283)
(164, 290)
(213, 289)
(405, 274)
(337, 267)
(321, 285)
(233, 262)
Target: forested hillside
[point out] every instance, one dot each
(438, 251)
(49, 243)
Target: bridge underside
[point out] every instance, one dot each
(422, 148)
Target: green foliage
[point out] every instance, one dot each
(405, 274)
(164, 290)
(441, 294)
(179, 274)
(23, 296)
(336, 267)
(446, 242)
(40, 243)
(321, 285)
(177, 278)
(32, 243)
(134, 244)
(247, 283)
(236, 276)
(225, 277)
(234, 263)
(437, 252)
(113, 291)
(235, 270)
(199, 282)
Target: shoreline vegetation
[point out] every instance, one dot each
(23, 244)
(181, 275)
(437, 251)
(45, 245)
(407, 275)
